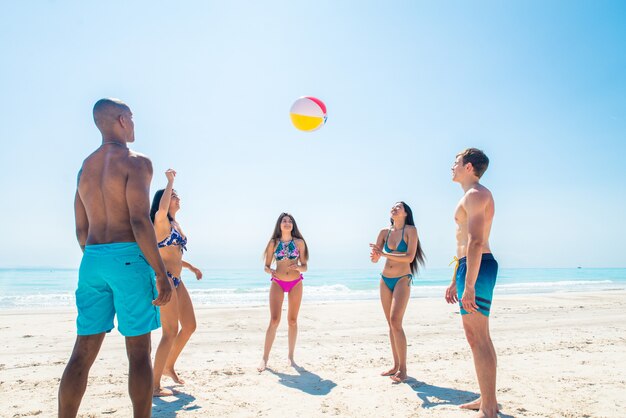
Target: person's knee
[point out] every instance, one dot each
(169, 332)
(79, 362)
(138, 347)
(395, 323)
(138, 354)
(470, 336)
(188, 328)
(292, 321)
(274, 321)
(86, 350)
(475, 338)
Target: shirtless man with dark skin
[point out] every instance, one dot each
(475, 273)
(121, 270)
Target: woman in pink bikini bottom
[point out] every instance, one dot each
(288, 248)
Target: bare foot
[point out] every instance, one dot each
(291, 363)
(399, 377)
(172, 375)
(390, 372)
(483, 414)
(475, 405)
(161, 391)
(262, 366)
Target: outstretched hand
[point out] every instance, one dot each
(198, 273)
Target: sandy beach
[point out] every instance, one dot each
(559, 355)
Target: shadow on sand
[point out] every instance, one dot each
(433, 396)
(167, 407)
(305, 381)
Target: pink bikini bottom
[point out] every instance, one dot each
(287, 286)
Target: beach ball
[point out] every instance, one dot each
(308, 113)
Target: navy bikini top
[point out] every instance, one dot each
(402, 245)
(175, 238)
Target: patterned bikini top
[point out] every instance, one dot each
(175, 238)
(288, 250)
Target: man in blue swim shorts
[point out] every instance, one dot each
(121, 272)
(475, 273)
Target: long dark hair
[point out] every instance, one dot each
(420, 258)
(156, 202)
(277, 234)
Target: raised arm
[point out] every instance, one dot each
(80, 216)
(164, 204)
(138, 200)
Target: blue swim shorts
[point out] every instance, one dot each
(116, 279)
(485, 282)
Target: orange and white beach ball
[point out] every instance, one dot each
(308, 113)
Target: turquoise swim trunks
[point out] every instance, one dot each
(116, 279)
(485, 282)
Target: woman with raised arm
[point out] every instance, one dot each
(172, 242)
(288, 248)
(400, 245)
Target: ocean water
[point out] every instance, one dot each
(51, 288)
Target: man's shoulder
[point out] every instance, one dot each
(87, 165)
(139, 161)
(91, 157)
(478, 191)
(138, 156)
(478, 194)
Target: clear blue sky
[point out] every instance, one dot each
(540, 86)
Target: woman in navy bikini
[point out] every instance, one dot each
(288, 248)
(400, 244)
(172, 242)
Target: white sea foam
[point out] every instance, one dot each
(255, 292)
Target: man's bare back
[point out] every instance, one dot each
(102, 191)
